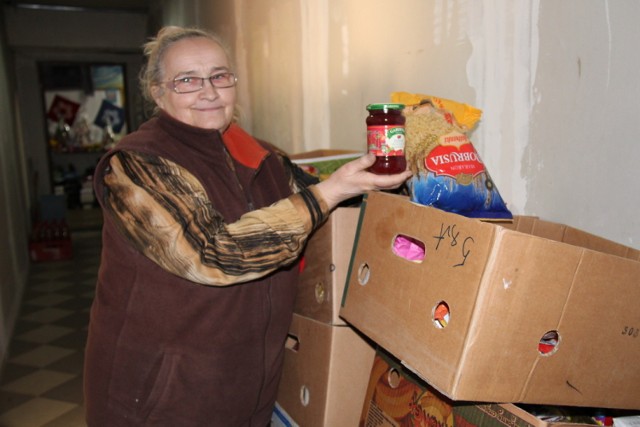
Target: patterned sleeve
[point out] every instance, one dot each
(165, 212)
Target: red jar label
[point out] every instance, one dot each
(385, 140)
(454, 156)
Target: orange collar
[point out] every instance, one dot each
(243, 147)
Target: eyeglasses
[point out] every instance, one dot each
(190, 84)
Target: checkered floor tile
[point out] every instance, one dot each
(41, 383)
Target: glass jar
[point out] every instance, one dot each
(385, 138)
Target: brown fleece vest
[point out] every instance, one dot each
(165, 351)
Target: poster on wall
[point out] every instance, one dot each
(64, 109)
(107, 77)
(109, 114)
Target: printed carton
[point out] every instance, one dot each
(396, 397)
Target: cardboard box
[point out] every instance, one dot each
(535, 312)
(326, 261)
(397, 398)
(325, 376)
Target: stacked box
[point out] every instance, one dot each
(534, 312)
(325, 375)
(326, 261)
(327, 363)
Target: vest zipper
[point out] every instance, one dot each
(247, 195)
(269, 307)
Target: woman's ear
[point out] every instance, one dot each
(156, 93)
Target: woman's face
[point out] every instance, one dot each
(208, 108)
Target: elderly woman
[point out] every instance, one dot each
(203, 228)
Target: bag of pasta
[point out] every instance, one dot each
(448, 172)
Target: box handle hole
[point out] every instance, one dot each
(292, 343)
(409, 248)
(548, 344)
(320, 292)
(441, 315)
(364, 273)
(393, 378)
(304, 395)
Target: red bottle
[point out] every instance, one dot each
(385, 138)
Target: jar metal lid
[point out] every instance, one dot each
(385, 106)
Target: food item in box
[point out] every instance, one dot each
(448, 172)
(385, 138)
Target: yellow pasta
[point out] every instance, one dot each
(466, 115)
(424, 126)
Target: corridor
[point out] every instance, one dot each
(41, 384)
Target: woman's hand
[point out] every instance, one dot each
(353, 179)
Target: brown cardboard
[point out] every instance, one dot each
(504, 289)
(326, 261)
(326, 371)
(397, 398)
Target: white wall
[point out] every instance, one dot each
(583, 152)
(555, 80)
